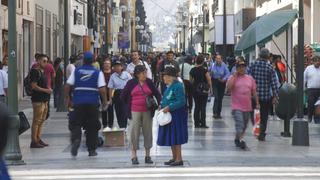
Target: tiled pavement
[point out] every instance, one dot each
(207, 148)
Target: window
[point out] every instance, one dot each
(28, 7)
(55, 36)
(48, 33)
(4, 2)
(39, 29)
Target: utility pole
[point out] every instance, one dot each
(13, 154)
(62, 106)
(184, 38)
(191, 38)
(300, 61)
(106, 31)
(224, 29)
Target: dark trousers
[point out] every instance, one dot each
(313, 95)
(264, 113)
(199, 115)
(119, 107)
(218, 91)
(85, 116)
(188, 88)
(108, 117)
(57, 97)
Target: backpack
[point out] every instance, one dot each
(27, 84)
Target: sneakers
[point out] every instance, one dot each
(135, 161)
(74, 147)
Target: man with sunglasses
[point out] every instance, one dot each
(40, 97)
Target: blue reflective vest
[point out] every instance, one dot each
(86, 89)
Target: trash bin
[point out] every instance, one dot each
(286, 108)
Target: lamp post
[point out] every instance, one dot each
(184, 37)
(204, 10)
(13, 152)
(191, 38)
(224, 29)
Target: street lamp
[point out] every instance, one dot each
(205, 11)
(191, 38)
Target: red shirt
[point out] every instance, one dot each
(49, 72)
(138, 102)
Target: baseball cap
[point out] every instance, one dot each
(88, 56)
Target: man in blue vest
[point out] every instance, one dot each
(88, 83)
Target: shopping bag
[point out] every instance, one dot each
(24, 123)
(256, 127)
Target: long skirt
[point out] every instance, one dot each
(176, 132)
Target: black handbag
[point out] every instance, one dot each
(203, 88)
(24, 123)
(151, 102)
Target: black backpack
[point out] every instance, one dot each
(27, 84)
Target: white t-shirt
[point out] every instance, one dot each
(186, 71)
(3, 82)
(101, 80)
(70, 69)
(131, 66)
(312, 77)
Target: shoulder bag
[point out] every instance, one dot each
(150, 100)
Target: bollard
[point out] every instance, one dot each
(286, 108)
(300, 133)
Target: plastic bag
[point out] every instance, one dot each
(257, 119)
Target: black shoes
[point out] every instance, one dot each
(237, 142)
(93, 153)
(172, 162)
(36, 145)
(43, 143)
(74, 147)
(169, 162)
(261, 138)
(135, 161)
(240, 144)
(177, 163)
(148, 160)
(243, 145)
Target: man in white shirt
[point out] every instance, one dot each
(312, 83)
(3, 84)
(185, 68)
(136, 61)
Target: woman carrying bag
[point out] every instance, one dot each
(175, 133)
(138, 95)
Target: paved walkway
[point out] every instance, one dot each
(208, 148)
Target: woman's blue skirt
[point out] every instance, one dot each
(176, 132)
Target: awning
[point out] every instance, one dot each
(197, 38)
(264, 28)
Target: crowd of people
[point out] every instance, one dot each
(127, 84)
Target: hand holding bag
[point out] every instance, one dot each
(162, 118)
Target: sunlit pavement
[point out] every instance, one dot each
(210, 154)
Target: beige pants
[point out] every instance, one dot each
(40, 110)
(140, 120)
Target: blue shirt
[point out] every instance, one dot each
(119, 81)
(174, 96)
(219, 71)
